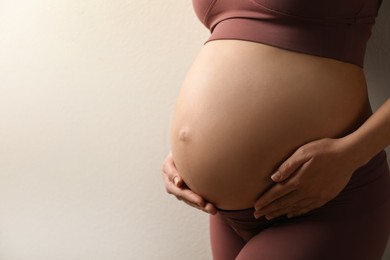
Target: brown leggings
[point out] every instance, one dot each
(353, 226)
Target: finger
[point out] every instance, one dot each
(289, 166)
(170, 187)
(294, 207)
(168, 178)
(277, 191)
(190, 196)
(277, 213)
(291, 200)
(306, 210)
(210, 208)
(173, 175)
(195, 206)
(183, 194)
(169, 169)
(177, 180)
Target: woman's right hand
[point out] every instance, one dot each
(175, 185)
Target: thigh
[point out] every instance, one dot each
(288, 241)
(225, 243)
(362, 238)
(308, 240)
(355, 225)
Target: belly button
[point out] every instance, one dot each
(184, 134)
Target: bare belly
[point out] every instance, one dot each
(244, 107)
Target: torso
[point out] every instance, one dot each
(244, 107)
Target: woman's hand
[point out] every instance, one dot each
(175, 185)
(315, 174)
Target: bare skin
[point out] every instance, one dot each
(318, 171)
(244, 108)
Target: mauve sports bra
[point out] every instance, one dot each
(337, 29)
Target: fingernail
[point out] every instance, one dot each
(258, 215)
(175, 180)
(276, 176)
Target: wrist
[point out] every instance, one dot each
(371, 137)
(359, 150)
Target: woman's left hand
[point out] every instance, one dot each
(315, 174)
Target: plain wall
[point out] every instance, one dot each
(87, 89)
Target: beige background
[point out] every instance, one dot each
(87, 89)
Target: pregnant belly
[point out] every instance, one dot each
(244, 107)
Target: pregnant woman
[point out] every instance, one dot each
(274, 136)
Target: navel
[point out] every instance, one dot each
(184, 134)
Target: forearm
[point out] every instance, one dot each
(372, 136)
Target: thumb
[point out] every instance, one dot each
(177, 180)
(289, 166)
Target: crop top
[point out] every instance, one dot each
(337, 29)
